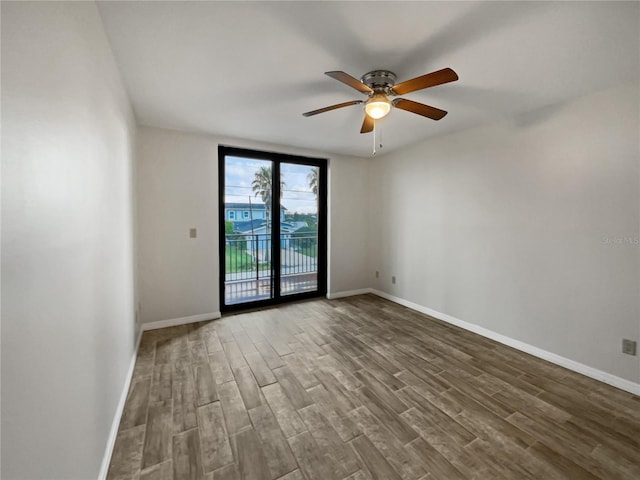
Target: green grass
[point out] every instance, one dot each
(238, 260)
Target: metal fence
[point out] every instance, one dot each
(248, 265)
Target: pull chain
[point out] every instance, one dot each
(375, 131)
(374, 137)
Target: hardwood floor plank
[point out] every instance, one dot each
(161, 383)
(436, 465)
(565, 467)
(127, 454)
(315, 464)
(252, 464)
(292, 388)
(480, 413)
(565, 444)
(198, 351)
(381, 390)
(212, 342)
(280, 343)
(234, 354)
(157, 440)
(260, 370)
(437, 418)
(327, 438)
(244, 342)
(193, 331)
(187, 460)
(235, 414)
(297, 365)
(145, 360)
(162, 471)
(394, 422)
(206, 391)
(344, 399)
(251, 326)
(380, 373)
(345, 360)
(392, 449)
(216, 450)
(373, 460)
(135, 411)
(276, 449)
(269, 355)
(448, 406)
(363, 475)
(184, 405)
(524, 401)
(339, 420)
(249, 390)
(164, 348)
(500, 409)
(295, 475)
(229, 472)
(220, 368)
(287, 417)
(224, 332)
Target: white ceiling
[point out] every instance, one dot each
(249, 69)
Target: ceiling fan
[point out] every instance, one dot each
(378, 85)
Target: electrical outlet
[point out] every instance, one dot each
(393, 279)
(193, 233)
(377, 274)
(629, 346)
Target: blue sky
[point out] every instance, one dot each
(296, 196)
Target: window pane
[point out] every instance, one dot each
(298, 228)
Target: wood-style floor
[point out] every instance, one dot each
(361, 388)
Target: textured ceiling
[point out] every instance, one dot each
(249, 69)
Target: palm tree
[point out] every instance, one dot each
(312, 179)
(261, 186)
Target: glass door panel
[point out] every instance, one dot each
(247, 221)
(298, 228)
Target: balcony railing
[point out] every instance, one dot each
(248, 265)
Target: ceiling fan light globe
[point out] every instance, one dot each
(377, 109)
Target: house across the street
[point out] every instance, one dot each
(246, 212)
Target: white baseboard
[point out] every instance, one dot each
(608, 378)
(111, 440)
(172, 322)
(348, 293)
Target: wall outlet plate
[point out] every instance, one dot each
(193, 233)
(393, 279)
(629, 346)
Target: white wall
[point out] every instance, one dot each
(507, 227)
(68, 326)
(177, 189)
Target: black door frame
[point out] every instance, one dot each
(276, 159)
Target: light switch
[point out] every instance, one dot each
(193, 233)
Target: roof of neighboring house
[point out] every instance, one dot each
(245, 227)
(246, 206)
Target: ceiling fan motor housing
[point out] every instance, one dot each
(379, 80)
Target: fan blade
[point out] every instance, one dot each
(419, 108)
(332, 107)
(349, 80)
(367, 124)
(432, 79)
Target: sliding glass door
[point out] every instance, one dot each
(272, 227)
